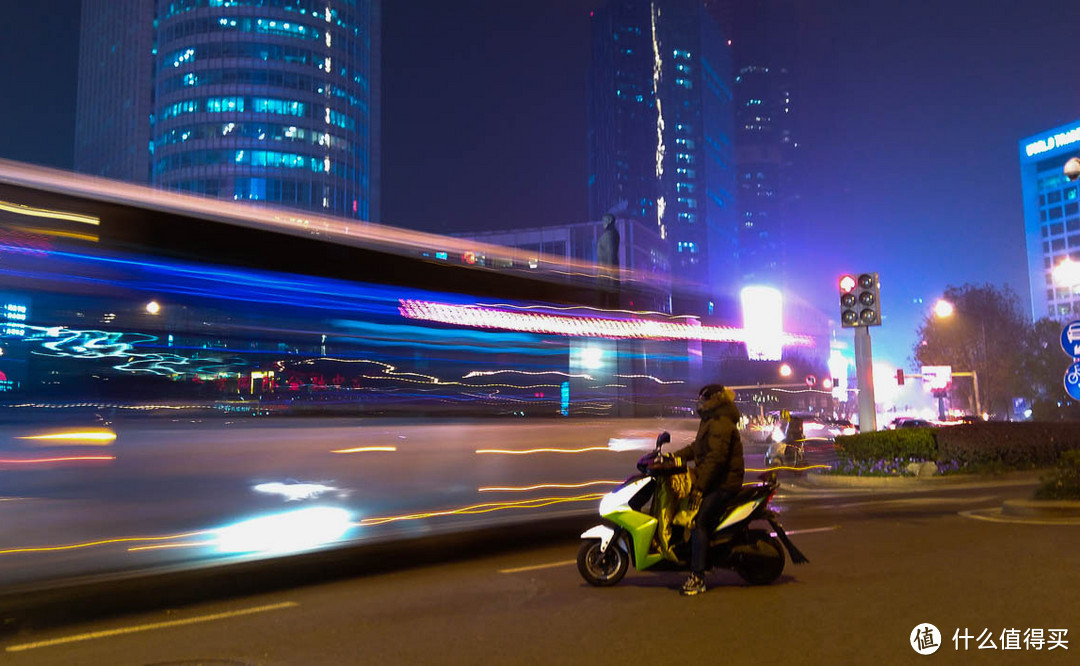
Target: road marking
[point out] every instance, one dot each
(810, 531)
(149, 627)
(551, 565)
(998, 517)
(917, 501)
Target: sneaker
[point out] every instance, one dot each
(695, 584)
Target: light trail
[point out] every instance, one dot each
(480, 317)
(366, 449)
(89, 438)
(186, 544)
(37, 461)
(513, 489)
(525, 452)
(89, 544)
(791, 469)
(480, 508)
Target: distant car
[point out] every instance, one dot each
(914, 423)
(838, 427)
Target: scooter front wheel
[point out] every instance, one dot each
(602, 568)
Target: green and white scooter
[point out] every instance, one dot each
(636, 517)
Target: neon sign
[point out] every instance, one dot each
(1053, 141)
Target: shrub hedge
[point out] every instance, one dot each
(1064, 482)
(907, 443)
(990, 445)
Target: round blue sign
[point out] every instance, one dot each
(1072, 381)
(1070, 338)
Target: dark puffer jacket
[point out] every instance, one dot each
(717, 449)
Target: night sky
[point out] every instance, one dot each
(910, 114)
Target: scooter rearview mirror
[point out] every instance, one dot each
(662, 438)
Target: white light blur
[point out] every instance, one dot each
(886, 391)
(763, 322)
(1067, 273)
(287, 532)
(630, 444)
(153, 307)
(943, 309)
(293, 492)
(839, 365)
(785, 370)
(592, 358)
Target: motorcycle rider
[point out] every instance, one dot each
(718, 463)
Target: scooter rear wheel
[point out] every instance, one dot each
(602, 568)
(764, 561)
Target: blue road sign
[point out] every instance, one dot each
(1072, 381)
(1070, 338)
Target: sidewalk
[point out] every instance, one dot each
(1027, 508)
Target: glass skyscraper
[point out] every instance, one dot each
(660, 132)
(1051, 218)
(272, 101)
(764, 47)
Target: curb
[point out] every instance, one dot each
(916, 482)
(1041, 508)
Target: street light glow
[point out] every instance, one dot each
(153, 307)
(943, 309)
(785, 370)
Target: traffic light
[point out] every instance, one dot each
(899, 376)
(860, 300)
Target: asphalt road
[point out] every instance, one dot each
(881, 564)
(77, 514)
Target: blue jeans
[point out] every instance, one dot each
(708, 517)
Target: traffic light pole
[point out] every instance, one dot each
(864, 375)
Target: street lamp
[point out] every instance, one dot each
(785, 370)
(944, 309)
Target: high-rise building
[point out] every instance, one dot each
(1051, 218)
(115, 96)
(660, 134)
(764, 43)
(272, 101)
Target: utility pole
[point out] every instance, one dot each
(864, 374)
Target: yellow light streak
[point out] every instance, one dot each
(366, 449)
(513, 489)
(794, 469)
(85, 437)
(655, 379)
(88, 544)
(525, 452)
(34, 461)
(30, 211)
(53, 232)
(148, 627)
(186, 544)
(481, 508)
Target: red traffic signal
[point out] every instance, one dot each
(899, 376)
(859, 300)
